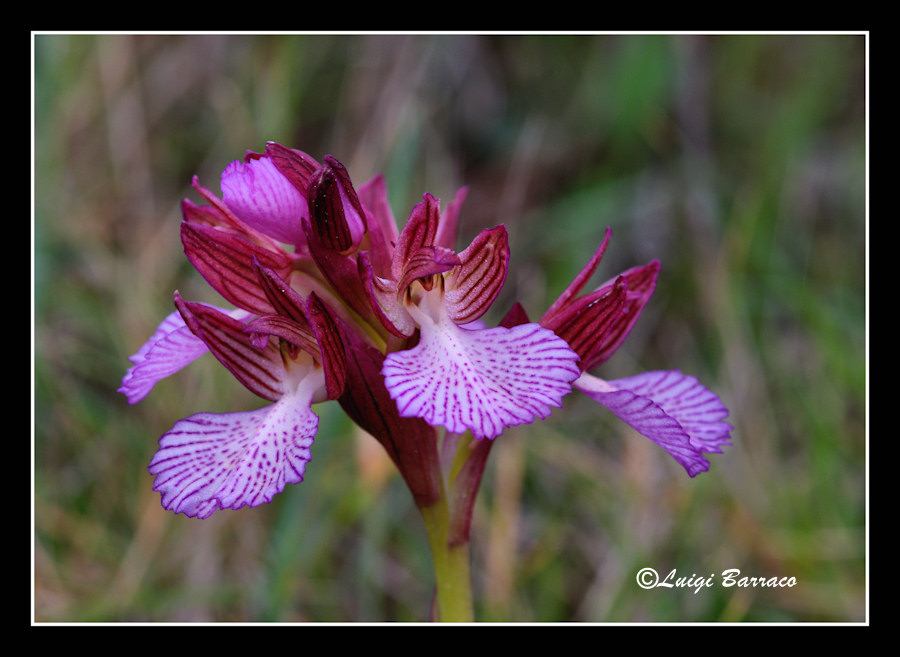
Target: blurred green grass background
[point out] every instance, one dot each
(738, 161)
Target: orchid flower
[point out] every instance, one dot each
(673, 410)
(462, 378)
(211, 461)
(333, 302)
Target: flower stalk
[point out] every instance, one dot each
(453, 584)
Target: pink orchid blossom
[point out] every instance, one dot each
(673, 410)
(212, 461)
(334, 302)
(478, 379)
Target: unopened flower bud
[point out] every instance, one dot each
(336, 215)
(262, 197)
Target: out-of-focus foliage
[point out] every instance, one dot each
(738, 161)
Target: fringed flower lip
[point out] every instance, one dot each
(673, 410)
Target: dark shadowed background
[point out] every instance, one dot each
(738, 161)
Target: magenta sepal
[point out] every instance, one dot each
(261, 371)
(419, 232)
(585, 322)
(515, 316)
(342, 273)
(219, 215)
(283, 298)
(336, 214)
(332, 354)
(226, 260)
(598, 322)
(640, 283)
(262, 197)
(296, 166)
(580, 279)
(380, 221)
(449, 225)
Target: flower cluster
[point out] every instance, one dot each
(332, 301)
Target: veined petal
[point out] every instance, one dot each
(641, 282)
(171, 347)
(384, 298)
(480, 380)
(228, 263)
(209, 461)
(424, 262)
(476, 282)
(672, 409)
(295, 165)
(579, 281)
(336, 215)
(447, 228)
(419, 231)
(585, 322)
(382, 226)
(261, 371)
(258, 193)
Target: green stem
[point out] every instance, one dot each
(451, 567)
